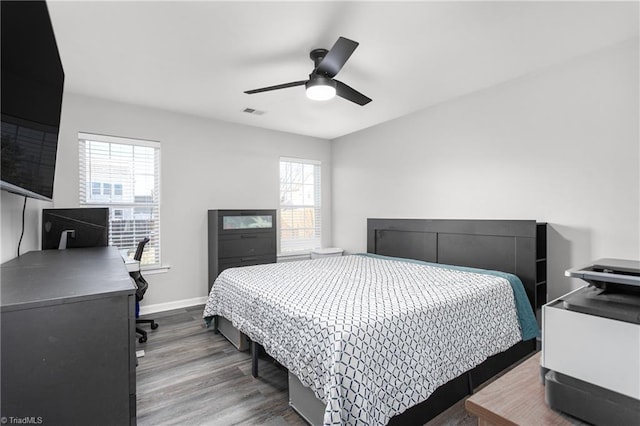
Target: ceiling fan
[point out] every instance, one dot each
(321, 85)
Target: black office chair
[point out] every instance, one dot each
(142, 286)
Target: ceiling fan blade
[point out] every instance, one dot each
(351, 94)
(279, 86)
(335, 59)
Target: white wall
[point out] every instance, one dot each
(205, 164)
(11, 224)
(561, 146)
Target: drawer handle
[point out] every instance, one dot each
(248, 259)
(248, 236)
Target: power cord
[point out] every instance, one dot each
(24, 207)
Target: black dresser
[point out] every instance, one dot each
(68, 330)
(240, 238)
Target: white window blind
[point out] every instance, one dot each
(300, 220)
(124, 175)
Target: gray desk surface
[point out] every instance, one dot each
(50, 277)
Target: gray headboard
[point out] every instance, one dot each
(503, 245)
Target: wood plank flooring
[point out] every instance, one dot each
(191, 376)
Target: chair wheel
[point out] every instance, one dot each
(142, 339)
(154, 325)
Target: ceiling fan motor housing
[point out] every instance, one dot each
(317, 55)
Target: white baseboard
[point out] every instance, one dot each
(169, 306)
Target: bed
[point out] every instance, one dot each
(391, 336)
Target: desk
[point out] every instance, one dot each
(517, 398)
(68, 338)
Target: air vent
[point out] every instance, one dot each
(253, 111)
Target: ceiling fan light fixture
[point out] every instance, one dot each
(321, 86)
(320, 89)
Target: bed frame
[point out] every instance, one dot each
(503, 245)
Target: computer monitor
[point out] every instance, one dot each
(86, 227)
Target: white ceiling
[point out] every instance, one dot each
(199, 57)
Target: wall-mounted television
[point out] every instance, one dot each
(85, 227)
(32, 86)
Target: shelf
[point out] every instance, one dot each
(541, 271)
(540, 286)
(541, 240)
(541, 294)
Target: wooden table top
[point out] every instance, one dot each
(516, 398)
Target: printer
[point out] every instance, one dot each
(591, 345)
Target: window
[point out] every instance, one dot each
(124, 175)
(299, 205)
(96, 188)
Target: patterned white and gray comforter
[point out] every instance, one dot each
(371, 337)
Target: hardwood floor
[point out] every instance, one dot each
(191, 376)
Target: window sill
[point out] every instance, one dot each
(155, 269)
(299, 255)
